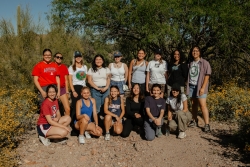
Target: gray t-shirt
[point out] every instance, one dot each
(194, 73)
(172, 102)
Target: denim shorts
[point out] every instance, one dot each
(193, 92)
(119, 84)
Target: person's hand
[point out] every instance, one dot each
(58, 95)
(169, 118)
(67, 128)
(147, 89)
(102, 90)
(117, 118)
(75, 94)
(129, 85)
(137, 115)
(158, 121)
(43, 93)
(55, 119)
(201, 92)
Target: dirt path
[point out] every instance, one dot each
(197, 149)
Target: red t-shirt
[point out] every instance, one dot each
(63, 70)
(47, 108)
(46, 73)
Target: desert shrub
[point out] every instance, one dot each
(17, 107)
(230, 102)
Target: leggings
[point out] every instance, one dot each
(129, 124)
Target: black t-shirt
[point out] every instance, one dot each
(133, 107)
(178, 74)
(155, 105)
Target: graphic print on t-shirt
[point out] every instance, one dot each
(50, 70)
(114, 107)
(53, 109)
(81, 75)
(194, 73)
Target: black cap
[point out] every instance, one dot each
(117, 54)
(158, 51)
(176, 86)
(77, 54)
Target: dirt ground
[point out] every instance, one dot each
(197, 149)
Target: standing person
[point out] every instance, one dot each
(178, 114)
(64, 85)
(85, 110)
(134, 110)
(157, 72)
(114, 110)
(99, 80)
(119, 72)
(155, 107)
(77, 76)
(197, 86)
(44, 74)
(137, 71)
(177, 71)
(50, 124)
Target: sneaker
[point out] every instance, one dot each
(167, 132)
(158, 132)
(107, 137)
(207, 128)
(81, 139)
(44, 140)
(192, 124)
(182, 135)
(87, 135)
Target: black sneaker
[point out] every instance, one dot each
(192, 124)
(207, 128)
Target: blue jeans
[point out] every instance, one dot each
(193, 91)
(119, 84)
(99, 98)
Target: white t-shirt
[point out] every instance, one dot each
(157, 72)
(100, 76)
(172, 101)
(194, 73)
(79, 76)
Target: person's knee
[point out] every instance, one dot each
(64, 133)
(83, 121)
(107, 118)
(67, 118)
(149, 137)
(125, 133)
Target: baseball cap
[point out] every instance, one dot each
(158, 51)
(176, 86)
(117, 54)
(77, 54)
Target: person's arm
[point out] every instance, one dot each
(122, 108)
(106, 111)
(205, 82)
(166, 72)
(107, 80)
(149, 114)
(185, 106)
(72, 86)
(130, 73)
(94, 111)
(43, 93)
(58, 86)
(147, 81)
(78, 110)
(126, 72)
(128, 108)
(54, 123)
(92, 84)
(170, 114)
(67, 83)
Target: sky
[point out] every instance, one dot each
(38, 8)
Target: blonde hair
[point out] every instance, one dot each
(74, 62)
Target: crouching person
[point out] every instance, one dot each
(178, 114)
(155, 107)
(114, 110)
(50, 124)
(85, 110)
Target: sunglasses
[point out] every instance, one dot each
(58, 57)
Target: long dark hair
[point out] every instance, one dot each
(178, 99)
(132, 95)
(94, 67)
(110, 97)
(190, 56)
(51, 86)
(181, 56)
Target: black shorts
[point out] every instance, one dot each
(43, 129)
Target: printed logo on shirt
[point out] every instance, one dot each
(50, 70)
(159, 105)
(174, 68)
(114, 107)
(53, 109)
(80, 75)
(157, 65)
(194, 71)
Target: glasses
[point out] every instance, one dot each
(58, 57)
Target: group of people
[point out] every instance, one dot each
(97, 95)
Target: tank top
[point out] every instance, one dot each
(87, 110)
(117, 74)
(139, 75)
(115, 106)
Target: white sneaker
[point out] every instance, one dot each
(182, 135)
(81, 139)
(44, 140)
(107, 137)
(87, 135)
